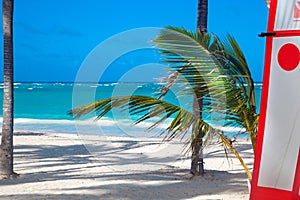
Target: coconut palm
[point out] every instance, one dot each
(6, 147)
(219, 72)
(197, 164)
(229, 57)
(202, 16)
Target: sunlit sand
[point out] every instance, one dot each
(59, 166)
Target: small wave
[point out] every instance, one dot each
(106, 126)
(230, 129)
(42, 121)
(91, 121)
(104, 122)
(78, 84)
(258, 84)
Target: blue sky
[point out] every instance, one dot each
(53, 37)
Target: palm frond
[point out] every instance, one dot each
(213, 69)
(147, 108)
(209, 68)
(228, 144)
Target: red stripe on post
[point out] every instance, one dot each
(296, 186)
(255, 190)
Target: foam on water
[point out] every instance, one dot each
(43, 107)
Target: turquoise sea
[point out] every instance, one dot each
(43, 106)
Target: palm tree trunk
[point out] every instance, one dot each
(197, 164)
(6, 147)
(202, 16)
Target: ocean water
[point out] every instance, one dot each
(43, 107)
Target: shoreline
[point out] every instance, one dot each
(62, 166)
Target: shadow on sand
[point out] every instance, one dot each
(42, 167)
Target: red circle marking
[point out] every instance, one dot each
(288, 57)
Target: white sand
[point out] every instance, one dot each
(58, 166)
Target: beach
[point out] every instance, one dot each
(91, 95)
(66, 166)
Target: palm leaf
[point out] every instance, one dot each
(159, 110)
(211, 69)
(228, 144)
(147, 108)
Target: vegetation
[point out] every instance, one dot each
(197, 164)
(6, 147)
(209, 68)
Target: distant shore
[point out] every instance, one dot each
(65, 166)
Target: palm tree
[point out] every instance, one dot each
(197, 164)
(219, 72)
(202, 16)
(6, 147)
(238, 72)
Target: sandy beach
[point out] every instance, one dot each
(65, 166)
